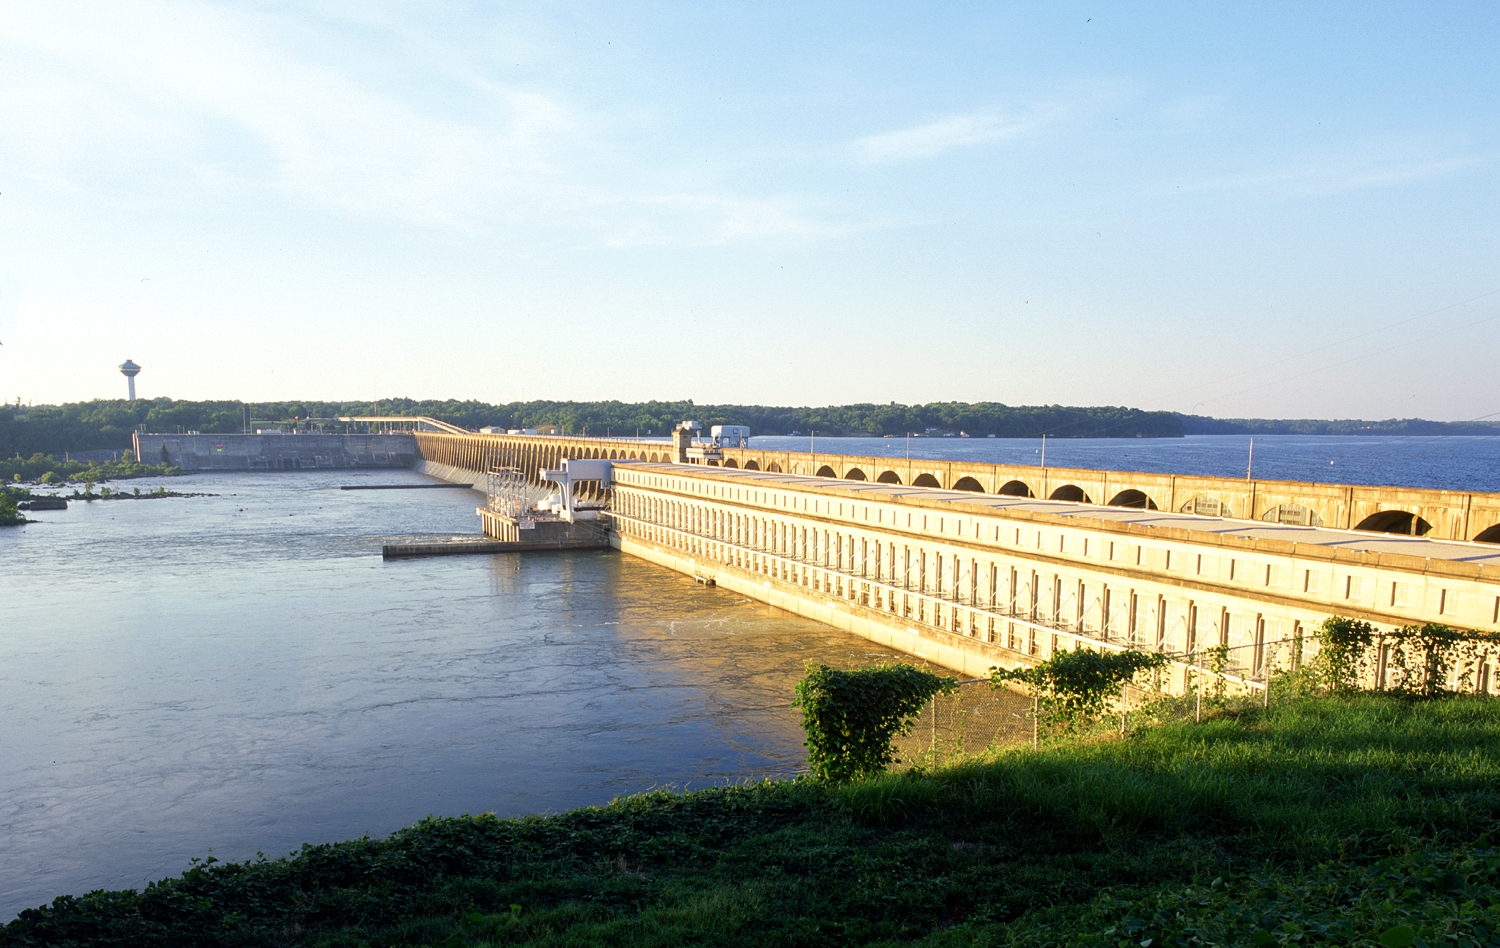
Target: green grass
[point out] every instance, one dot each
(1326, 821)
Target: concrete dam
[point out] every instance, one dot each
(957, 564)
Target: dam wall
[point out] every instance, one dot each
(970, 581)
(1417, 512)
(973, 566)
(275, 452)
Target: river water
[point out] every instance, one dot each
(242, 672)
(1440, 463)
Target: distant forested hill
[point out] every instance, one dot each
(107, 423)
(80, 426)
(1394, 427)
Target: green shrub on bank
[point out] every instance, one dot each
(1077, 686)
(851, 717)
(9, 515)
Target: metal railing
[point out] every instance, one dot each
(1020, 631)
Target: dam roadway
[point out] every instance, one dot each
(969, 566)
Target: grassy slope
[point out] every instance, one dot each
(1340, 813)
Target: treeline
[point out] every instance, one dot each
(1390, 427)
(45, 469)
(107, 424)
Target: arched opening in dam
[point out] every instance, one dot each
(1072, 493)
(1133, 498)
(1403, 522)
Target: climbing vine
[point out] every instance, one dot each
(1076, 686)
(851, 717)
(1418, 660)
(1344, 653)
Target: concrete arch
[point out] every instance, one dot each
(889, 477)
(730, 462)
(969, 484)
(825, 471)
(1488, 535)
(751, 465)
(1293, 513)
(855, 474)
(654, 458)
(925, 480)
(1133, 498)
(773, 468)
(1207, 507)
(1395, 521)
(1071, 493)
(1015, 489)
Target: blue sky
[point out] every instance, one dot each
(1253, 209)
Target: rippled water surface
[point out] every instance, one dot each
(244, 673)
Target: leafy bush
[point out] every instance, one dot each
(9, 515)
(1343, 653)
(851, 716)
(1076, 686)
(1421, 659)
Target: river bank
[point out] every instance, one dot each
(1359, 820)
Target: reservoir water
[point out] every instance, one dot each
(242, 672)
(1441, 463)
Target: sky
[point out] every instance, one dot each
(1249, 209)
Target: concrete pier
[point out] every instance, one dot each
(459, 546)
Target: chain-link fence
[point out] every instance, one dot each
(970, 721)
(979, 717)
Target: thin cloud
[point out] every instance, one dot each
(1329, 176)
(705, 220)
(194, 105)
(943, 135)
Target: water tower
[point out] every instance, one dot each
(130, 370)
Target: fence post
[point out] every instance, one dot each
(933, 752)
(1198, 689)
(1036, 716)
(1122, 709)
